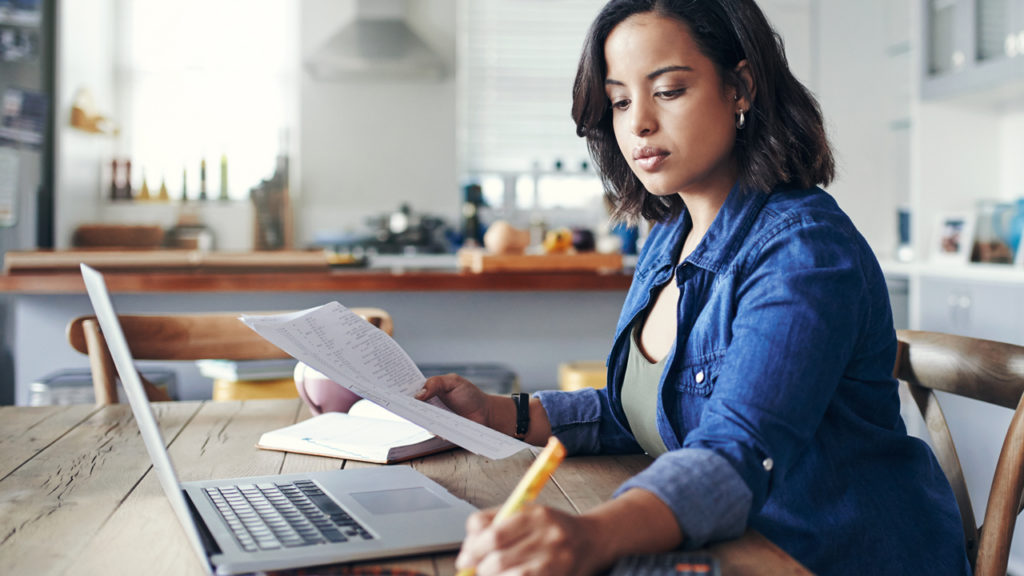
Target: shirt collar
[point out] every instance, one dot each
(731, 225)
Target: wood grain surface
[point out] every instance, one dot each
(329, 281)
(78, 494)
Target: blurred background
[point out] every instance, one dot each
(399, 130)
(372, 108)
(402, 129)
(197, 112)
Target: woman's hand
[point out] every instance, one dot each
(540, 541)
(537, 541)
(460, 395)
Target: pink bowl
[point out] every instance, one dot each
(321, 393)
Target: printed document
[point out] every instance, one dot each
(352, 352)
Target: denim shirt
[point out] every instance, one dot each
(777, 404)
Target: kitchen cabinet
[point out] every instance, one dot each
(974, 49)
(980, 309)
(993, 310)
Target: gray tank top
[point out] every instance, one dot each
(640, 396)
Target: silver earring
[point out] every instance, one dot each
(741, 121)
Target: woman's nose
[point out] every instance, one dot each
(643, 121)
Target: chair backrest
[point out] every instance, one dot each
(987, 371)
(180, 337)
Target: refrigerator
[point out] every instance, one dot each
(27, 76)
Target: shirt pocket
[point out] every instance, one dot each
(698, 377)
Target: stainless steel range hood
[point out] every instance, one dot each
(376, 46)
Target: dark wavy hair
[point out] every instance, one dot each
(783, 142)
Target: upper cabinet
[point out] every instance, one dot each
(974, 49)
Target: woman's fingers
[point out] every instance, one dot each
(477, 544)
(440, 385)
(536, 540)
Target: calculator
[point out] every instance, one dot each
(671, 564)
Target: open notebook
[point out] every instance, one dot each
(366, 432)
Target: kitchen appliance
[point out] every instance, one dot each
(377, 45)
(27, 65)
(404, 231)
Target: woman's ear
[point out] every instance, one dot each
(746, 91)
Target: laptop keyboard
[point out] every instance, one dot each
(269, 516)
(669, 564)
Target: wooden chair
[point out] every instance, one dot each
(179, 337)
(983, 370)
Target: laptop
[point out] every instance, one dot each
(289, 520)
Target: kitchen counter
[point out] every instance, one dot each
(376, 280)
(528, 321)
(164, 272)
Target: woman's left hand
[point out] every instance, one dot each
(537, 541)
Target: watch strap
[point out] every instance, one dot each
(522, 402)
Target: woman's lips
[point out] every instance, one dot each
(649, 159)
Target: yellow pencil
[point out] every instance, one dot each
(530, 485)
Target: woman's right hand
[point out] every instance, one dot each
(460, 395)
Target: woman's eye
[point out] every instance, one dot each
(620, 104)
(669, 94)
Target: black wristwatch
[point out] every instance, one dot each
(522, 401)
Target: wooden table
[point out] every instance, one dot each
(77, 494)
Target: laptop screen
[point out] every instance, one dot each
(96, 286)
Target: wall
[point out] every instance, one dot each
(365, 149)
(84, 60)
(1011, 150)
(849, 45)
(958, 162)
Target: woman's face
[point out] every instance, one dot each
(674, 120)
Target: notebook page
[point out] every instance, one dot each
(337, 342)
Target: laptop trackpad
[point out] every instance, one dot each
(398, 500)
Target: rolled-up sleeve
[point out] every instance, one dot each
(584, 422)
(709, 499)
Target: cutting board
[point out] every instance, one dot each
(480, 261)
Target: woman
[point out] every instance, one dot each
(753, 354)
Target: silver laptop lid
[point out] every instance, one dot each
(151, 436)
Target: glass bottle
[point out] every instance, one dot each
(144, 190)
(115, 188)
(223, 177)
(163, 196)
(202, 179)
(126, 189)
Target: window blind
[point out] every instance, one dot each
(516, 63)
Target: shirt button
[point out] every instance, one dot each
(699, 377)
(768, 463)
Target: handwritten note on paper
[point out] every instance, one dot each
(349, 350)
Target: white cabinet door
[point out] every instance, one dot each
(981, 310)
(993, 311)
